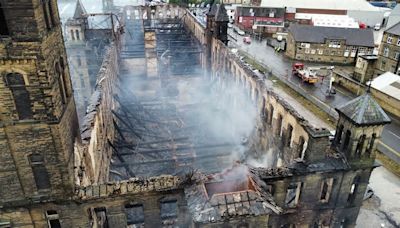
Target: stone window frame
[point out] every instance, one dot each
(289, 137)
(48, 14)
(320, 51)
(293, 192)
(326, 190)
(137, 207)
(38, 167)
(53, 219)
(383, 65)
(389, 39)
(386, 51)
(353, 190)
(167, 203)
(19, 87)
(396, 55)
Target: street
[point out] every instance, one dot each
(281, 67)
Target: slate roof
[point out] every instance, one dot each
(395, 29)
(221, 14)
(213, 10)
(260, 11)
(79, 10)
(316, 34)
(364, 110)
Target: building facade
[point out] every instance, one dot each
(389, 51)
(328, 44)
(38, 119)
(309, 182)
(260, 19)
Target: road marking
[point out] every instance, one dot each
(390, 149)
(391, 132)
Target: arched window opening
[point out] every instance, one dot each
(338, 135)
(51, 14)
(60, 83)
(3, 23)
(271, 114)
(46, 15)
(64, 77)
(346, 141)
(301, 147)
(279, 125)
(77, 34)
(353, 190)
(72, 34)
(40, 174)
(21, 96)
(371, 144)
(360, 145)
(263, 109)
(289, 136)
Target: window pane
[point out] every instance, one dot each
(169, 209)
(41, 177)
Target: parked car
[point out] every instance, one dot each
(377, 26)
(247, 40)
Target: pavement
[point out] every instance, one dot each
(383, 209)
(281, 67)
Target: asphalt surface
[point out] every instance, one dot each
(281, 67)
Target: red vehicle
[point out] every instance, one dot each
(247, 40)
(306, 74)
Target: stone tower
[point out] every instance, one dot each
(221, 24)
(360, 125)
(38, 122)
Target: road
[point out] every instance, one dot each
(281, 67)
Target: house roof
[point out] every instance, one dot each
(388, 83)
(213, 9)
(317, 34)
(364, 110)
(221, 14)
(79, 10)
(356, 5)
(394, 16)
(395, 29)
(259, 11)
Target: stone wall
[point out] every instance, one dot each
(94, 153)
(35, 52)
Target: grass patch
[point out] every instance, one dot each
(388, 163)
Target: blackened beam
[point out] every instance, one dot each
(127, 125)
(118, 130)
(153, 142)
(182, 51)
(142, 133)
(126, 166)
(177, 149)
(136, 117)
(139, 120)
(216, 154)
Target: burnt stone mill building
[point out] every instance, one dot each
(179, 132)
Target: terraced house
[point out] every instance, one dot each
(389, 51)
(328, 44)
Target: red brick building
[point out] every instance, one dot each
(266, 20)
